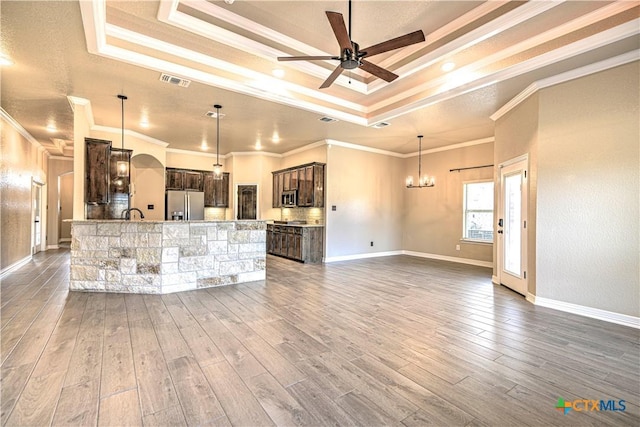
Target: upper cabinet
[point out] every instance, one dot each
(181, 179)
(216, 191)
(97, 171)
(307, 179)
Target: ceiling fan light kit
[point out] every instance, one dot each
(351, 57)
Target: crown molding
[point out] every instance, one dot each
(305, 148)
(18, 127)
(452, 147)
(565, 77)
(75, 101)
(132, 133)
(254, 153)
(331, 142)
(192, 153)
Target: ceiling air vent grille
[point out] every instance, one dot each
(167, 78)
(380, 125)
(213, 114)
(327, 119)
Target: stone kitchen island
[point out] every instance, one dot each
(159, 257)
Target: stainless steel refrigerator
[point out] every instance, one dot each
(184, 205)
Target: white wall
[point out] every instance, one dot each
(588, 249)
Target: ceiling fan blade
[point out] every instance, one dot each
(305, 58)
(332, 77)
(385, 75)
(340, 30)
(397, 43)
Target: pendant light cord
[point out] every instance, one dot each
(420, 160)
(122, 98)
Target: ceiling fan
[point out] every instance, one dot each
(350, 54)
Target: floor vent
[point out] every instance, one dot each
(327, 119)
(174, 80)
(380, 125)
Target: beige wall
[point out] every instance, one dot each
(589, 191)
(59, 168)
(255, 169)
(432, 217)
(364, 187)
(147, 175)
(21, 163)
(516, 134)
(317, 154)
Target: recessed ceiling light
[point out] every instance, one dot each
(51, 127)
(448, 66)
(278, 72)
(204, 145)
(5, 61)
(275, 138)
(144, 123)
(258, 146)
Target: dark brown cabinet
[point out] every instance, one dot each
(181, 179)
(106, 193)
(216, 191)
(98, 153)
(307, 179)
(304, 244)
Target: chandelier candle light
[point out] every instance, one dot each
(122, 165)
(217, 168)
(423, 181)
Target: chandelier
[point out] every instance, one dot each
(423, 180)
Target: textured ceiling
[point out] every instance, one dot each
(95, 50)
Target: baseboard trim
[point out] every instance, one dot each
(53, 247)
(468, 261)
(15, 266)
(495, 280)
(66, 239)
(361, 256)
(581, 310)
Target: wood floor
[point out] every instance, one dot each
(389, 341)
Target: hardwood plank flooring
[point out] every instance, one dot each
(384, 341)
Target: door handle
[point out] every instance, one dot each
(500, 231)
(500, 222)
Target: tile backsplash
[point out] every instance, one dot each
(311, 215)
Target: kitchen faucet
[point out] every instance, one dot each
(126, 213)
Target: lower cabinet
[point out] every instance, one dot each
(302, 244)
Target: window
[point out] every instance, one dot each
(477, 221)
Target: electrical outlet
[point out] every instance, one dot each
(457, 247)
(371, 243)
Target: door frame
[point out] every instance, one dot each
(522, 161)
(38, 188)
(235, 198)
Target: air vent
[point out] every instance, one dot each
(213, 114)
(174, 80)
(380, 125)
(327, 119)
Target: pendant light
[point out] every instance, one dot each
(423, 181)
(122, 165)
(217, 168)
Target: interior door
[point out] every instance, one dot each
(512, 225)
(247, 202)
(36, 235)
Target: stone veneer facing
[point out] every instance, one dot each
(161, 257)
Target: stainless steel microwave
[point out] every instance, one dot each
(289, 198)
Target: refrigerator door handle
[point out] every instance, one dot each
(187, 207)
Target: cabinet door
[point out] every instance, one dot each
(174, 179)
(318, 186)
(286, 186)
(293, 184)
(208, 186)
(98, 153)
(277, 190)
(193, 180)
(221, 191)
(305, 186)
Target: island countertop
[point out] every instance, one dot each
(159, 257)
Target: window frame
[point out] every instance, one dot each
(465, 210)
